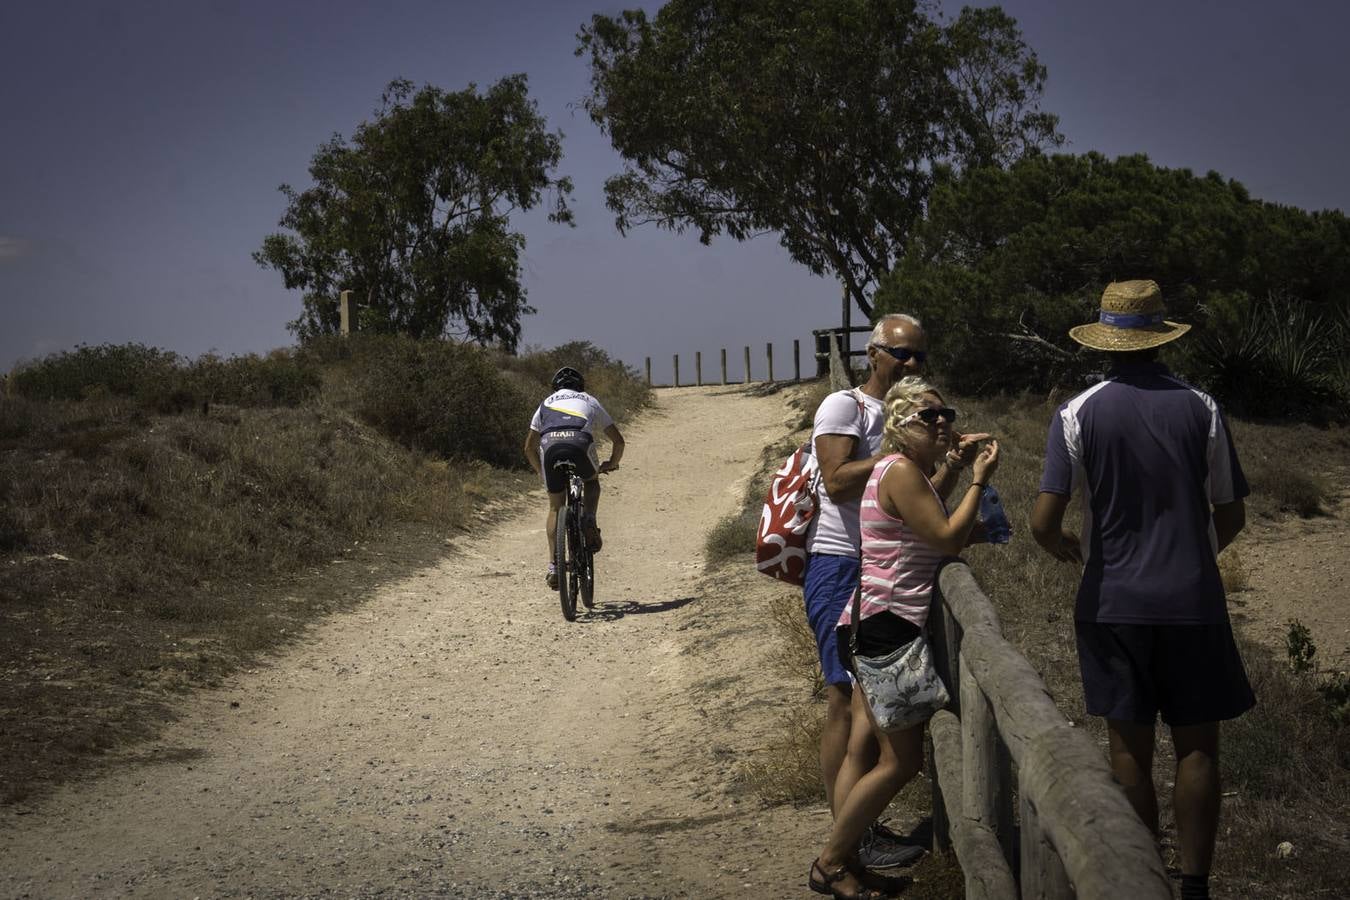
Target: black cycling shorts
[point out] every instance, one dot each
(575, 446)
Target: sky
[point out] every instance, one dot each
(142, 144)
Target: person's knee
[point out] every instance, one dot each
(895, 772)
(1200, 742)
(838, 704)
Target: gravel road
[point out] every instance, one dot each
(453, 736)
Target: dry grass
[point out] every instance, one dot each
(144, 553)
(1286, 765)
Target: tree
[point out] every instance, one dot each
(1007, 260)
(821, 120)
(413, 215)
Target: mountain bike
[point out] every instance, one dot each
(572, 554)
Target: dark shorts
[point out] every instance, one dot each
(1192, 674)
(878, 635)
(830, 581)
(577, 447)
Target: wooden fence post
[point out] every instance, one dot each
(649, 371)
(986, 767)
(796, 360)
(698, 367)
(677, 370)
(747, 365)
(345, 312)
(724, 365)
(768, 351)
(1042, 871)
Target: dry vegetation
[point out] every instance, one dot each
(1286, 765)
(164, 522)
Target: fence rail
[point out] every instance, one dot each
(1076, 835)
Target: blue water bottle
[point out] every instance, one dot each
(996, 527)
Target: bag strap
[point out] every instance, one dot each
(857, 611)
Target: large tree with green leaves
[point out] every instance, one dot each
(1007, 260)
(821, 120)
(413, 215)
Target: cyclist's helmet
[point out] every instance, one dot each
(568, 378)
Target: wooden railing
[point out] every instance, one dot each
(1076, 835)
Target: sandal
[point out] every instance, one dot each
(887, 884)
(825, 885)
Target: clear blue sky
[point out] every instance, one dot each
(142, 144)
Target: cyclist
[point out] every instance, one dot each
(563, 428)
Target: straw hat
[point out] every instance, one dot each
(1131, 319)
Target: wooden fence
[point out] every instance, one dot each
(1075, 834)
(698, 367)
(831, 346)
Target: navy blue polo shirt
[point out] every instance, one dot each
(1150, 454)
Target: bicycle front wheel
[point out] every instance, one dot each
(565, 564)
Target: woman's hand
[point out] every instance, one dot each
(986, 463)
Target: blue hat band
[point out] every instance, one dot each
(1129, 320)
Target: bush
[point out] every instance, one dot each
(442, 397)
(166, 382)
(121, 370)
(617, 386)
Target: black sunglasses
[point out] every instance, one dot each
(903, 354)
(929, 415)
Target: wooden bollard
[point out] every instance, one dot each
(768, 352)
(649, 371)
(698, 367)
(345, 313)
(747, 365)
(796, 360)
(724, 365)
(677, 370)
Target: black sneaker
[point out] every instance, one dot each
(593, 541)
(881, 848)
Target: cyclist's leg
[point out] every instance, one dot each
(555, 482)
(555, 502)
(591, 494)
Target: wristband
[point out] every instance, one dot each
(979, 484)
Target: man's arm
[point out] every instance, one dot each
(1229, 519)
(532, 452)
(844, 477)
(616, 446)
(1047, 527)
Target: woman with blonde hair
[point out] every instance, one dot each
(906, 531)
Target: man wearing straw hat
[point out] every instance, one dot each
(1161, 495)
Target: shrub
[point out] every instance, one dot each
(122, 370)
(444, 398)
(166, 382)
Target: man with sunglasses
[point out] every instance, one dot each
(1162, 495)
(846, 439)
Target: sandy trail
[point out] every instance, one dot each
(454, 736)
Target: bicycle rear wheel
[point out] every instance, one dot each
(564, 563)
(586, 564)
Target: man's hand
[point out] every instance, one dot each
(1068, 549)
(1047, 527)
(607, 466)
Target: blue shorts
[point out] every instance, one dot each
(1192, 674)
(830, 581)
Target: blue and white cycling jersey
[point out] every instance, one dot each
(569, 410)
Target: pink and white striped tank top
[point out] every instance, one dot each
(897, 565)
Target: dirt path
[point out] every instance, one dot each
(1298, 569)
(455, 737)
